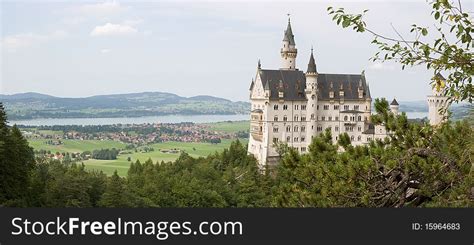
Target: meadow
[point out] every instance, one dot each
(121, 164)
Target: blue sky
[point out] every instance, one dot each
(77, 49)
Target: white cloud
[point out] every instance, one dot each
(104, 51)
(14, 42)
(105, 8)
(381, 66)
(133, 22)
(110, 29)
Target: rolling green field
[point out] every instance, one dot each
(229, 127)
(121, 164)
(75, 145)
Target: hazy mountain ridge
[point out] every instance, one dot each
(36, 105)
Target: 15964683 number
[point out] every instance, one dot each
(443, 226)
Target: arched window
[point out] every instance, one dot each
(296, 129)
(296, 118)
(288, 128)
(275, 118)
(285, 118)
(345, 118)
(312, 116)
(359, 118)
(359, 138)
(352, 137)
(288, 138)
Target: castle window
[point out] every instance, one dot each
(317, 107)
(275, 107)
(261, 129)
(345, 118)
(295, 139)
(303, 128)
(288, 139)
(296, 107)
(296, 118)
(336, 138)
(303, 119)
(285, 119)
(302, 139)
(323, 118)
(296, 129)
(275, 130)
(359, 138)
(359, 129)
(303, 107)
(285, 107)
(329, 118)
(352, 137)
(359, 118)
(336, 107)
(326, 107)
(275, 118)
(303, 149)
(288, 128)
(368, 138)
(319, 128)
(356, 107)
(275, 140)
(346, 107)
(337, 119)
(312, 116)
(336, 128)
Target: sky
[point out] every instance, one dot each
(79, 49)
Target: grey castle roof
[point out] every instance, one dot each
(394, 102)
(288, 35)
(311, 64)
(293, 83)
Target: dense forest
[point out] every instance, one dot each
(418, 166)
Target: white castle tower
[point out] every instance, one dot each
(437, 102)
(394, 106)
(288, 51)
(311, 92)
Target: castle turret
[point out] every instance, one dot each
(394, 107)
(288, 51)
(437, 103)
(312, 96)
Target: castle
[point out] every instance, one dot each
(292, 106)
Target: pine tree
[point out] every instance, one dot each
(116, 194)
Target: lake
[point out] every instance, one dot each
(131, 120)
(154, 119)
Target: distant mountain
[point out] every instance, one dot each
(35, 105)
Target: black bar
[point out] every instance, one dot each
(262, 226)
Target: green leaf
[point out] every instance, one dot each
(346, 22)
(424, 32)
